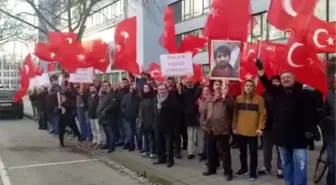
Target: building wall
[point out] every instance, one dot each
(192, 20)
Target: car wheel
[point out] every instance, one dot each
(20, 116)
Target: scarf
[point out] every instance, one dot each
(160, 100)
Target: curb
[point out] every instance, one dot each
(130, 167)
(125, 166)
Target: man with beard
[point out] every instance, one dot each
(97, 129)
(181, 129)
(165, 121)
(121, 137)
(293, 123)
(223, 68)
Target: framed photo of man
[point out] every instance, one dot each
(225, 58)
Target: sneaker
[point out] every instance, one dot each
(228, 177)
(145, 155)
(241, 172)
(191, 156)
(263, 171)
(279, 174)
(153, 156)
(253, 176)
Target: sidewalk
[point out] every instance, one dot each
(184, 172)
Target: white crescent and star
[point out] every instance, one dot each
(214, 12)
(81, 57)
(287, 6)
(316, 36)
(69, 40)
(290, 53)
(248, 54)
(155, 73)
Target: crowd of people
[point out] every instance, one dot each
(206, 120)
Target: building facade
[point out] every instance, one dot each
(190, 17)
(9, 73)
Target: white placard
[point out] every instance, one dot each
(82, 75)
(33, 82)
(179, 64)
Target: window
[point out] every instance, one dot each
(194, 8)
(332, 10)
(320, 9)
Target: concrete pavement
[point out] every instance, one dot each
(32, 157)
(185, 172)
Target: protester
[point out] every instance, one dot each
(249, 123)
(64, 110)
(146, 117)
(81, 105)
(97, 129)
(165, 121)
(268, 135)
(124, 88)
(130, 111)
(181, 129)
(189, 96)
(108, 112)
(41, 107)
(33, 98)
(218, 121)
(329, 131)
(292, 123)
(52, 103)
(202, 103)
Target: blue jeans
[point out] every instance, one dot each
(294, 163)
(84, 124)
(54, 124)
(109, 130)
(331, 161)
(131, 131)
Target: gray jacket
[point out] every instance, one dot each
(130, 106)
(146, 112)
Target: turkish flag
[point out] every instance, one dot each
(43, 52)
(24, 77)
(193, 44)
(167, 40)
(58, 39)
(126, 46)
(224, 14)
(321, 35)
(19, 95)
(73, 57)
(155, 72)
(29, 66)
(51, 67)
(38, 70)
(304, 63)
(282, 13)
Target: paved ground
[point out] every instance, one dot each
(186, 172)
(32, 157)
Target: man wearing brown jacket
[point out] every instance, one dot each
(218, 120)
(249, 123)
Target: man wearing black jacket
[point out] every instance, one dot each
(96, 128)
(268, 136)
(294, 109)
(121, 135)
(165, 121)
(41, 107)
(107, 111)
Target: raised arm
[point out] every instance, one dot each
(270, 88)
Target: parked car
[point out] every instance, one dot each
(7, 106)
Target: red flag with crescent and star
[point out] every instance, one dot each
(306, 65)
(321, 35)
(155, 72)
(282, 14)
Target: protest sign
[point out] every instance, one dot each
(179, 64)
(82, 75)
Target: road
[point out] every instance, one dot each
(32, 157)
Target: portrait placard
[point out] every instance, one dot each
(225, 57)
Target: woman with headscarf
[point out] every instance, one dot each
(146, 116)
